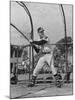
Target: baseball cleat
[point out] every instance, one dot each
(58, 79)
(13, 80)
(58, 84)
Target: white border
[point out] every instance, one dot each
(4, 49)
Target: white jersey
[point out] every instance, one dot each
(46, 47)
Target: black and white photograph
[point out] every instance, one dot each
(41, 49)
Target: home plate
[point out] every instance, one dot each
(41, 92)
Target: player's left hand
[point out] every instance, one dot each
(31, 41)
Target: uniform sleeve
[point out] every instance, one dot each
(41, 42)
(36, 49)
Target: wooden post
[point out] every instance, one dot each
(29, 62)
(13, 63)
(17, 63)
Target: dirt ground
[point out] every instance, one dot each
(39, 90)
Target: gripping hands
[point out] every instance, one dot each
(31, 41)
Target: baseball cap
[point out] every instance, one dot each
(40, 29)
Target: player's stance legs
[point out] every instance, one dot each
(46, 58)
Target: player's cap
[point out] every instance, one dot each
(40, 30)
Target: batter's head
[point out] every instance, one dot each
(40, 30)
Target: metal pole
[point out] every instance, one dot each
(32, 37)
(66, 49)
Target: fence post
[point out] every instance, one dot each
(13, 63)
(29, 62)
(17, 64)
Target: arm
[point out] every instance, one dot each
(41, 42)
(36, 49)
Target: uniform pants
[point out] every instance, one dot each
(47, 58)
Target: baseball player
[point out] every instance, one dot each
(47, 57)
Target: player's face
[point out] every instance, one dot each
(41, 34)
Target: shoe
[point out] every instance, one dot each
(33, 82)
(13, 80)
(67, 77)
(58, 84)
(58, 79)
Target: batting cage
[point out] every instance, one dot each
(26, 17)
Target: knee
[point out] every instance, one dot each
(41, 59)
